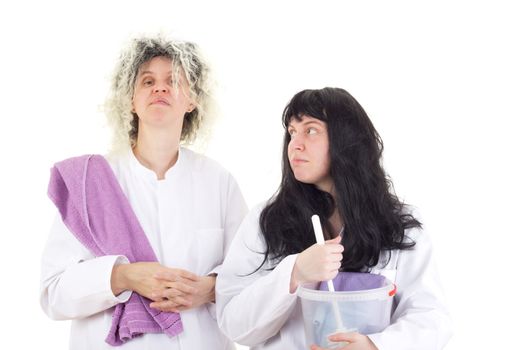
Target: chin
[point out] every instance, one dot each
(304, 179)
(161, 119)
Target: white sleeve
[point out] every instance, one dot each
(235, 209)
(75, 284)
(420, 319)
(253, 306)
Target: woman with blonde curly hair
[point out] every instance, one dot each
(141, 233)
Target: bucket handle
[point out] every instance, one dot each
(393, 291)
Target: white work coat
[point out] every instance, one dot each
(189, 218)
(258, 310)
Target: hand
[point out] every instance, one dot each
(356, 341)
(317, 263)
(175, 299)
(140, 278)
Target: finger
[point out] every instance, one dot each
(182, 287)
(164, 305)
(166, 276)
(187, 275)
(177, 303)
(178, 290)
(336, 257)
(171, 309)
(156, 293)
(176, 275)
(350, 337)
(156, 296)
(329, 276)
(167, 307)
(182, 308)
(334, 266)
(335, 240)
(334, 248)
(182, 301)
(331, 267)
(316, 347)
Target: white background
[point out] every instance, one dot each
(442, 81)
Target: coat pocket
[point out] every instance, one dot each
(211, 248)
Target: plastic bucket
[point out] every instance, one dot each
(365, 311)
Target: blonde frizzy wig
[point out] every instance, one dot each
(187, 59)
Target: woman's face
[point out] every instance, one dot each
(156, 100)
(308, 152)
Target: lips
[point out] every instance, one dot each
(160, 101)
(298, 161)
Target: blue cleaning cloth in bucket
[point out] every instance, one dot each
(353, 281)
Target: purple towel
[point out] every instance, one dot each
(97, 212)
(354, 281)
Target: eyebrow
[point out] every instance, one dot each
(307, 123)
(313, 122)
(150, 72)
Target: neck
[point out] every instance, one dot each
(157, 151)
(336, 224)
(326, 185)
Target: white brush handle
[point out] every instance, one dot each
(318, 230)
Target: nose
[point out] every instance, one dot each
(297, 143)
(160, 88)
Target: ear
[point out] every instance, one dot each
(191, 107)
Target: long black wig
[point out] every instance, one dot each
(374, 218)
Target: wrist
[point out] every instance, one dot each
(294, 280)
(119, 278)
(211, 291)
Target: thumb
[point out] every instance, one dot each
(350, 337)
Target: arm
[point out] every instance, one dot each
(420, 319)
(74, 283)
(233, 209)
(252, 307)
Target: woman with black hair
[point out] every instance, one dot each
(331, 167)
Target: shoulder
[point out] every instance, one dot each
(249, 236)
(200, 163)
(257, 209)
(119, 161)
(75, 167)
(413, 234)
(410, 258)
(251, 220)
(416, 236)
(73, 161)
(419, 235)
